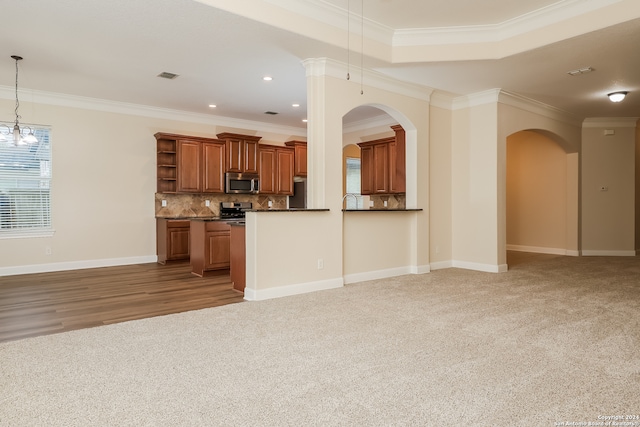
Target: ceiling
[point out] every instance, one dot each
(221, 49)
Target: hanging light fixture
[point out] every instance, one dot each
(18, 139)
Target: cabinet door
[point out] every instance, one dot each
(188, 167)
(234, 155)
(218, 249)
(213, 167)
(366, 170)
(267, 170)
(381, 168)
(285, 171)
(250, 161)
(178, 239)
(301, 160)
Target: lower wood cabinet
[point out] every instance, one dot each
(172, 239)
(209, 246)
(238, 269)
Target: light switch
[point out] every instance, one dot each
(164, 203)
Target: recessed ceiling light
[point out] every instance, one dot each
(305, 120)
(166, 75)
(295, 105)
(212, 105)
(267, 78)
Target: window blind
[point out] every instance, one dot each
(25, 184)
(353, 182)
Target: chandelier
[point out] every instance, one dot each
(17, 137)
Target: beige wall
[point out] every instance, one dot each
(637, 191)
(103, 184)
(325, 158)
(536, 194)
(608, 216)
(440, 214)
(475, 188)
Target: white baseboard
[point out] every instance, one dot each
(420, 269)
(285, 291)
(75, 265)
(488, 268)
(440, 265)
(608, 253)
(540, 250)
(378, 274)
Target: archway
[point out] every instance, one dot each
(541, 202)
(391, 236)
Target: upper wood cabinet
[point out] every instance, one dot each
(187, 164)
(382, 164)
(276, 169)
(241, 152)
(300, 157)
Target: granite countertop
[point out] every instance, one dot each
(288, 210)
(382, 210)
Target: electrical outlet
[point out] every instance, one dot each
(270, 203)
(385, 203)
(320, 263)
(47, 250)
(164, 203)
(207, 203)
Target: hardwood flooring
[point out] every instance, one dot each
(47, 303)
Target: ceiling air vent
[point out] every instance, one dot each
(579, 71)
(271, 113)
(166, 75)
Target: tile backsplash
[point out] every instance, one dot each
(194, 205)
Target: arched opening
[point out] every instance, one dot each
(391, 236)
(541, 203)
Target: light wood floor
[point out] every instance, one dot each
(47, 303)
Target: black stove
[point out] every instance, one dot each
(234, 210)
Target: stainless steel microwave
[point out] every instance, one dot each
(247, 183)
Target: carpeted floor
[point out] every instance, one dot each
(548, 343)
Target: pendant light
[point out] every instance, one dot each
(17, 137)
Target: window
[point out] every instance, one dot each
(353, 183)
(25, 185)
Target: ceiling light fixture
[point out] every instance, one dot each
(295, 105)
(18, 138)
(267, 78)
(617, 96)
(212, 105)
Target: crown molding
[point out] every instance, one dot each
(537, 107)
(534, 20)
(85, 103)
(377, 121)
(614, 122)
(494, 96)
(317, 67)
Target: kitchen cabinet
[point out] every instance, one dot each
(172, 239)
(209, 246)
(238, 268)
(276, 169)
(382, 165)
(189, 164)
(299, 156)
(241, 152)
